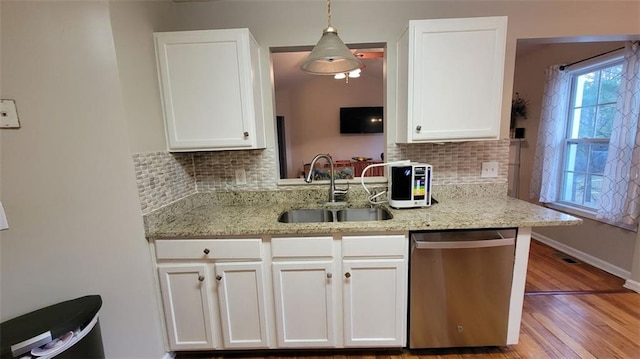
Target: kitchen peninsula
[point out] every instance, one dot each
(233, 277)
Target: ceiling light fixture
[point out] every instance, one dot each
(348, 75)
(330, 56)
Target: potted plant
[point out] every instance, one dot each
(518, 110)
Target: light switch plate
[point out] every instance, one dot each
(489, 169)
(8, 114)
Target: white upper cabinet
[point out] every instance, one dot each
(211, 90)
(450, 77)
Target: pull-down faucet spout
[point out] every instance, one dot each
(332, 186)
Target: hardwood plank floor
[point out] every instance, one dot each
(570, 311)
(548, 272)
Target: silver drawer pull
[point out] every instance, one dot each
(348, 275)
(329, 275)
(206, 251)
(218, 277)
(201, 278)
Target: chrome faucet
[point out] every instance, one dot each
(333, 191)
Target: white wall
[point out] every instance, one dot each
(67, 176)
(133, 24)
(314, 121)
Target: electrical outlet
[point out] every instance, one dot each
(489, 169)
(241, 177)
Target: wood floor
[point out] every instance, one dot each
(571, 310)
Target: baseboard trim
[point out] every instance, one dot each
(587, 258)
(633, 285)
(169, 355)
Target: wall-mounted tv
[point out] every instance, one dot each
(361, 119)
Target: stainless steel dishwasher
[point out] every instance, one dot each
(460, 287)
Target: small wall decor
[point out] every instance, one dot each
(518, 109)
(9, 114)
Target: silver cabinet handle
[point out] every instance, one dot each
(201, 278)
(206, 251)
(329, 275)
(218, 277)
(348, 275)
(246, 134)
(464, 244)
(418, 128)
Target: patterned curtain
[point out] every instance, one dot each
(548, 159)
(620, 198)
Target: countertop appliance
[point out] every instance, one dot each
(410, 185)
(460, 287)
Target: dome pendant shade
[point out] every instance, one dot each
(330, 56)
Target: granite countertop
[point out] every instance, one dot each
(211, 219)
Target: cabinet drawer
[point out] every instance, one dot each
(209, 249)
(302, 247)
(375, 246)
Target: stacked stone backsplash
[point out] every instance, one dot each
(457, 162)
(164, 177)
(216, 171)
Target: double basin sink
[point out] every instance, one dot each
(334, 215)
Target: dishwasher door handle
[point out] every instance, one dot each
(464, 244)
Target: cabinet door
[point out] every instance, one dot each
(374, 302)
(241, 298)
(455, 78)
(186, 306)
(207, 89)
(303, 293)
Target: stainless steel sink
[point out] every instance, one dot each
(363, 214)
(334, 215)
(306, 216)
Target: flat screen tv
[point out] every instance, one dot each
(361, 119)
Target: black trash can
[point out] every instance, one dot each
(65, 330)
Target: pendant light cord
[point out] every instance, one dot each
(328, 13)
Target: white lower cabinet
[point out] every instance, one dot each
(213, 293)
(241, 299)
(186, 306)
(356, 282)
(321, 292)
(303, 296)
(375, 290)
(304, 291)
(374, 307)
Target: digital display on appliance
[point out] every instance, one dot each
(419, 186)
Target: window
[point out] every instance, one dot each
(588, 150)
(594, 93)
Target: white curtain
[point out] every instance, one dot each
(553, 117)
(620, 198)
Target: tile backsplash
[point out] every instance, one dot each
(457, 162)
(164, 177)
(216, 171)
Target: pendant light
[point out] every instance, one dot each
(330, 56)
